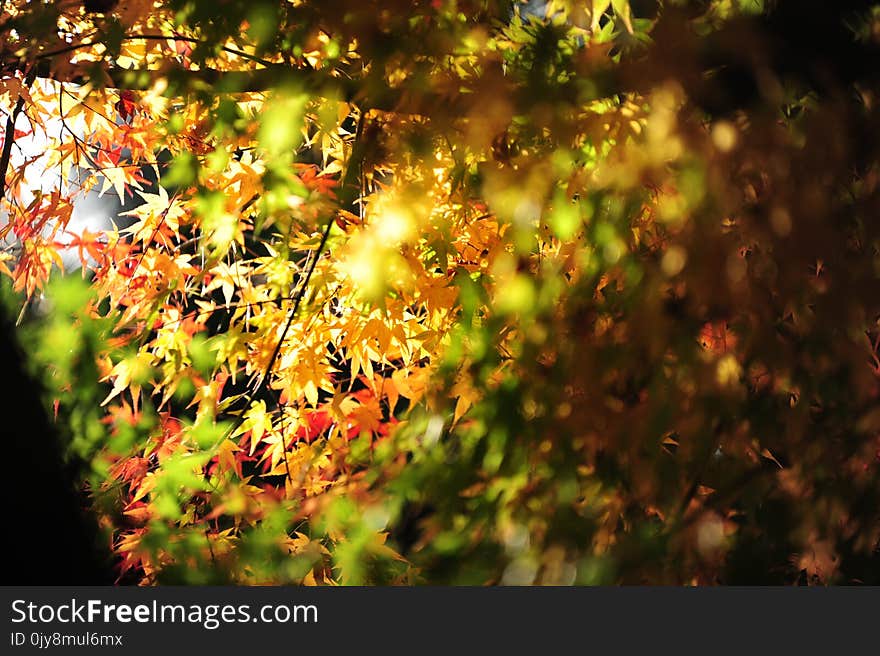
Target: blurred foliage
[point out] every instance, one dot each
(461, 291)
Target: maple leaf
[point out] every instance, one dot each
(126, 105)
(89, 245)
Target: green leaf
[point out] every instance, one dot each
(622, 9)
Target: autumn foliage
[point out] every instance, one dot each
(466, 292)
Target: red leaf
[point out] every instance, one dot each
(126, 105)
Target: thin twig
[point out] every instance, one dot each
(348, 195)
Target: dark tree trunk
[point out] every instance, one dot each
(49, 537)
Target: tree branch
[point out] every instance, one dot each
(415, 96)
(9, 137)
(151, 37)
